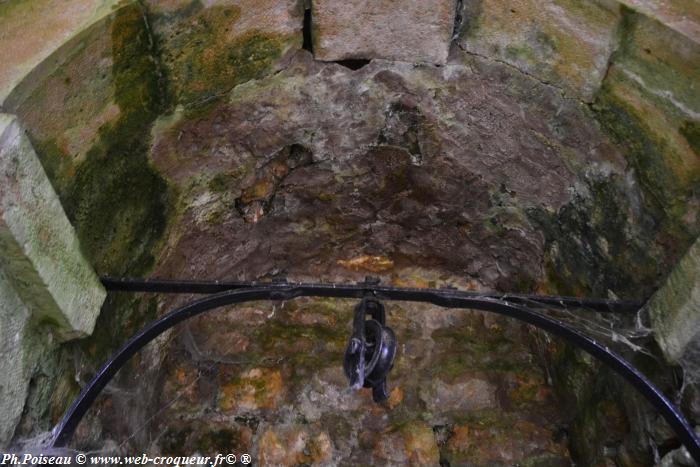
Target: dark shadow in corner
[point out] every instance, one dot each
(306, 31)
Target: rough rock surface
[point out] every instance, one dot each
(279, 393)
(268, 175)
(48, 291)
(416, 32)
(407, 172)
(651, 105)
(675, 315)
(88, 116)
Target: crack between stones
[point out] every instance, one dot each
(561, 90)
(459, 5)
(286, 64)
(308, 43)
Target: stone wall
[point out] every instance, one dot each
(491, 144)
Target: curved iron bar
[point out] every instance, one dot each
(63, 432)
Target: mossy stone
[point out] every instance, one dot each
(117, 201)
(204, 62)
(691, 132)
(594, 247)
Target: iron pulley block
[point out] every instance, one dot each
(370, 353)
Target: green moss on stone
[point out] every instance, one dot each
(205, 63)
(595, 245)
(594, 13)
(218, 441)
(117, 201)
(520, 52)
(643, 151)
(275, 334)
(667, 182)
(662, 59)
(253, 53)
(215, 217)
(221, 182)
(691, 132)
(57, 164)
(122, 315)
(475, 348)
(305, 348)
(485, 418)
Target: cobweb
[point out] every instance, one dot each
(624, 332)
(627, 333)
(630, 335)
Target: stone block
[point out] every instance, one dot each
(675, 308)
(30, 31)
(402, 30)
(664, 62)
(40, 251)
(566, 43)
(682, 16)
(650, 101)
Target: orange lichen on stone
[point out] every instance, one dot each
(367, 263)
(421, 445)
(259, 388)
(320, 448)
(413, 283)
(182, 386)
(395, 397)
(262, 189)
(529, 388)
(413, 443)
(271, 451)
(294, 447)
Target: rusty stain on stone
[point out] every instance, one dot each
(367, 263)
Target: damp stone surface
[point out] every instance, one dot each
(491, 145)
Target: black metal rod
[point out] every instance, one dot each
(122, 284)
(63, 432)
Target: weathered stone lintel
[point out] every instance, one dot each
(417, 32)
(40, 250)
(675, 308)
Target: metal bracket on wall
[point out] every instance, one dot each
(511, 305)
